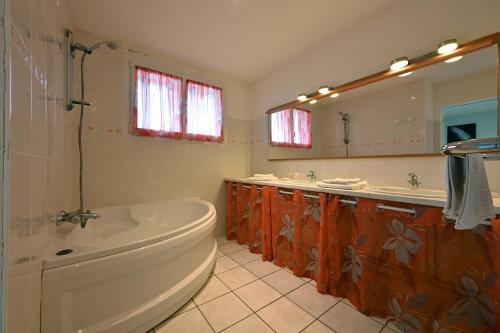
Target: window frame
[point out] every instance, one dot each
(203, 137)
(151, 132)
(293, 144)
(139, 61)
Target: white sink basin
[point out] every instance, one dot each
(297, 181)
(421, 193)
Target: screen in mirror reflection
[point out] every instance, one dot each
(415, 114)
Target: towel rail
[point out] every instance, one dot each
(488, 147)
(411, 211)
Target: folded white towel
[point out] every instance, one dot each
(263, 175)
(469, 199)
(344, 181)
(263, 178)
(353, 186)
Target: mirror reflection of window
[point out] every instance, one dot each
(291, 128)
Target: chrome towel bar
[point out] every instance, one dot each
(488, 147)
(411, 211)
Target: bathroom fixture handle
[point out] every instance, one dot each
(380, 207)
(311, 175)
(76, 217)
(413, 180)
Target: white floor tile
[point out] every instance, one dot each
(261, 268)
(188, 306)
(245, 256)
(219, 254)
(283, 281)
(236, 277)
(285, 317)
(224, 311)
(252, 324)
(313, 283)
(348, 303)
(223, 264)
(221, 240)
(388, 330)
(318, 327)
(213, 288)
(257, 294)
(308, 298)
(190, 321)
(231, 248)
(342, 318)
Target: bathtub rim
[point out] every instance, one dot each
(51, 261)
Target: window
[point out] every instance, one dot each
(157, 109)
(204, 112)
(291, 128)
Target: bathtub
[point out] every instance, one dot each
(128, 270)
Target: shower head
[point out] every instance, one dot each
(110, 45)
(89, 50)
(344, 116)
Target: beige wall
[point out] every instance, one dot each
(124, 169)
(37, 188)
(356, 53)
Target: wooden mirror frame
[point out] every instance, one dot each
(414, 64)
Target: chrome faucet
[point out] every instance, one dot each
(311, 175)
(413, 180)
(76, 217)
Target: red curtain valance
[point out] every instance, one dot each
(417, 271)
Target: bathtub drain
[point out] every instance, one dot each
(64, 252)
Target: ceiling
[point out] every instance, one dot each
(243, 38)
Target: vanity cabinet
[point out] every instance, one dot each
(390, 259)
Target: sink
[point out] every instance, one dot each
(421, 193)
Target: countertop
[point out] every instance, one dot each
(364, 193)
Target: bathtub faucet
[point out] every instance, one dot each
(76, 217)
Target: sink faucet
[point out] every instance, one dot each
(76, 217)
(413, 180)
(311, 175)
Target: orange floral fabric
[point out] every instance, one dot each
(237, 212)
(417, 271)
(248, 217)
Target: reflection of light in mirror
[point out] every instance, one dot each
(399, 63)
(413, 98)
(454, 59)
(323, 89)
(301, 97)
(313, 101)
(447, 46)
(405, 74)
(335, 95)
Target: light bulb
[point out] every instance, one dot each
(405, 74)
(313, 101)
(457, 58)
(301, 97)
(323, 89)
(447, 46)
(335, 95)
(399, 63)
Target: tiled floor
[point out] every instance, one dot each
(245, 294)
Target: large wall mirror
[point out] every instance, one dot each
(401, 115)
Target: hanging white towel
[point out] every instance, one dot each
(469, 199)
(343, 181)
(354, 186)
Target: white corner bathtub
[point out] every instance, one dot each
(130, 269)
